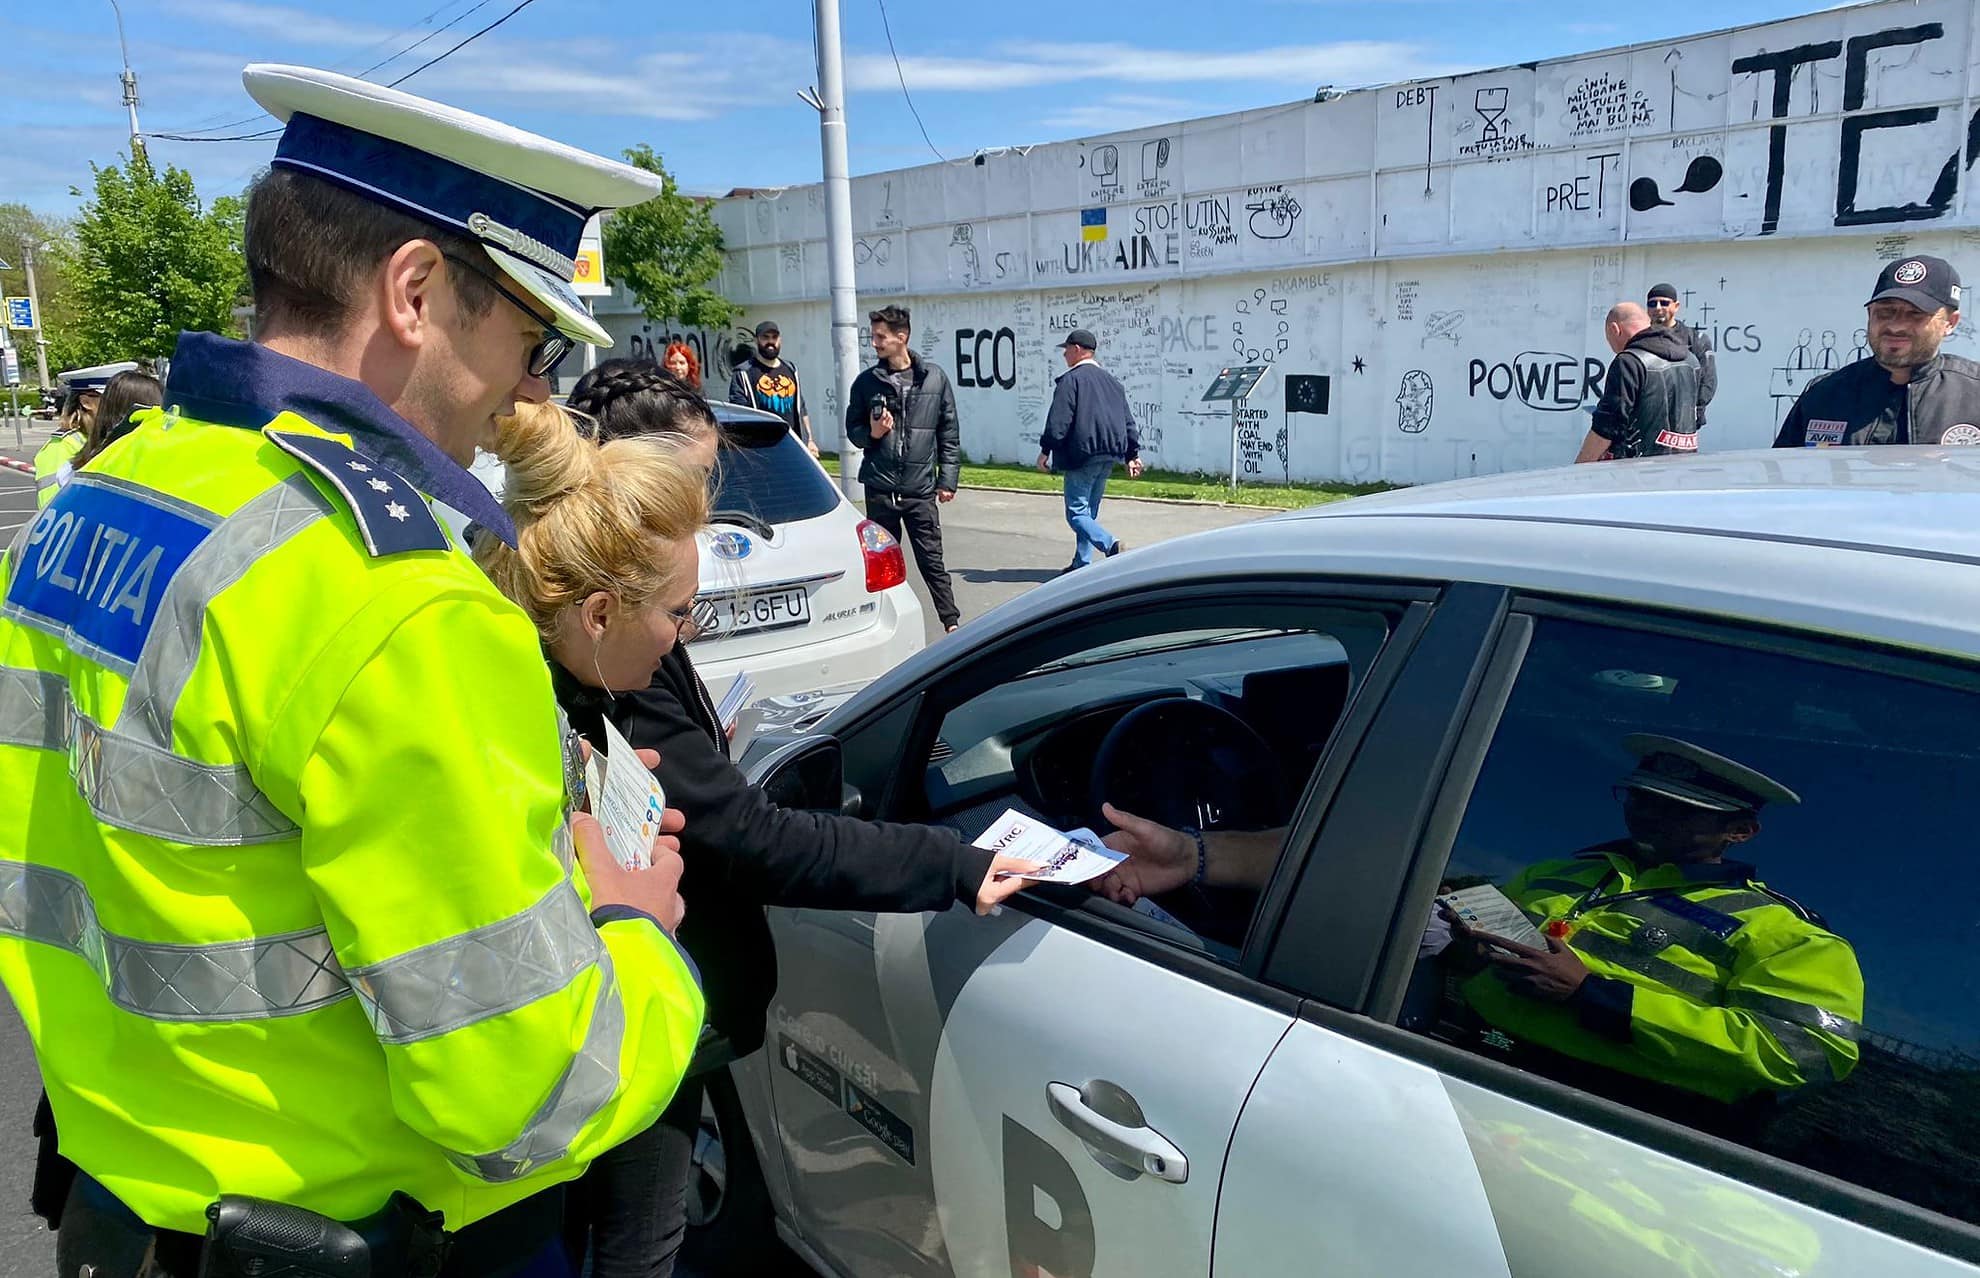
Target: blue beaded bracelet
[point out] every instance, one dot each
(1202, 855)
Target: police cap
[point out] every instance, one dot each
(93, 378)
(1692, 774)
(524, 198)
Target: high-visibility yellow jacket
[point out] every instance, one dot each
(49, 460)
(286, 893)
(1700, 978)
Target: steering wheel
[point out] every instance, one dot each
(1188, 763)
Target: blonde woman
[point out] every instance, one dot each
(608, 569)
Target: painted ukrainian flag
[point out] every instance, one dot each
(1092, 224)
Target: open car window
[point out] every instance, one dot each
(1214, 720)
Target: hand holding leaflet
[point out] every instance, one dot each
(1071, 857)
(627, 800)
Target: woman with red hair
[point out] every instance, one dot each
(679, 360)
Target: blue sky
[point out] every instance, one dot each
(713, 87)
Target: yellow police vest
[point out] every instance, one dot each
(49, 460)
(286, 893)
(1733, 989)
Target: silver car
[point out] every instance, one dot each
(1290, 1068)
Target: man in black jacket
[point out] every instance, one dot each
(1649, 403)
(1089, 430)
(1664, 306)
(1905, 392)
(903, 415)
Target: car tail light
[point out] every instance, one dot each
(886, 566)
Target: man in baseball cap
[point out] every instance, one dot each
(1663, 304)
(768, 381)
(1905, 391)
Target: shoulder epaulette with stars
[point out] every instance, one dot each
(391, 515)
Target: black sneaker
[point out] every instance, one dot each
(1119, 546)
(1074, 566)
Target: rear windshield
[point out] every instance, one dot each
(767, 474)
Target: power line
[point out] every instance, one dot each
(205, 125)
(265, 134)
(902, 76)
(456, 19)
(462, 45)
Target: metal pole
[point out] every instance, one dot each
(1234, 442)
(830, 103)
(590, 351)
(40, 336)
(129, 81)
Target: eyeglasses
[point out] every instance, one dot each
(543, 357)
(1659, 303)
(693, 621)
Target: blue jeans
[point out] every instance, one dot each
(1085, 486)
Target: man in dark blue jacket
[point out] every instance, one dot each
(1088, 432)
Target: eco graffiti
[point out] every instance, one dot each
(986, 358)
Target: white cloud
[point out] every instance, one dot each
(296, 26)
(1119, 111)
(1023, 65)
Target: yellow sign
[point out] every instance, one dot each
(590, 270)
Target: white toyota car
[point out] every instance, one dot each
(804, 595)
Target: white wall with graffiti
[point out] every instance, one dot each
(1441, 253)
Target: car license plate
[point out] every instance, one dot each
(759, 610)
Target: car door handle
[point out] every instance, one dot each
(1138, 1149)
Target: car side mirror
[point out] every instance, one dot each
(809, 774)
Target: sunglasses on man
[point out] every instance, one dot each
(543, 357)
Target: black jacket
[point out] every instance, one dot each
(1708, 365)
(1649, 402)
(743, 852)
(1089, 419)
(924, 450)
(1859, 404)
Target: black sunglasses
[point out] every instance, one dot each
(1658, 303)
(543, 357)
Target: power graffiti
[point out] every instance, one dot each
(1546, 380)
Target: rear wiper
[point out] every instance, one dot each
(743, 519)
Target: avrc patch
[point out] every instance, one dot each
(391, 514)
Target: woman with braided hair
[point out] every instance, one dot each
(742, 852)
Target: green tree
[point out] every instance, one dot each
(20, 227)
(151, 260)
(666, 251)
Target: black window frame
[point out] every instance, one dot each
(1371, 1018)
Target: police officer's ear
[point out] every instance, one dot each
(405, 291)
(1741, 826)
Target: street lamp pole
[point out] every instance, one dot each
(829, 100)
(40, 331)
(129, 80)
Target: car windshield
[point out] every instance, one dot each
(767, 476)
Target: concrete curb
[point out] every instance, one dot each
(1152, 501)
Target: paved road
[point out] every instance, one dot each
(999, 545)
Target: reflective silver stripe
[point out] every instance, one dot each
(1787, 1009)
(1676, 929)
(135, 785)
(454, 983)
(1802, 1047)
(46, 482)
(254, 979)
(1664, 972)
(1735, 902)
(34, 709)
(590, 1081)
(172, 649)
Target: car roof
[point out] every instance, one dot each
(1882, 544)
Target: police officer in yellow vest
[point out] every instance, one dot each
(287, 894)
(81, 389)
(1667, 961)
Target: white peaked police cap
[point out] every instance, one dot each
(524, 198)
(95, 377)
